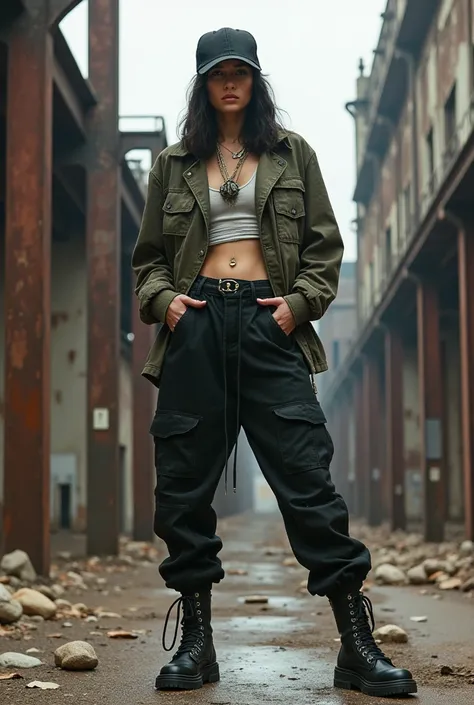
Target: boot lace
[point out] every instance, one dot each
(192, 639)
(363, 624)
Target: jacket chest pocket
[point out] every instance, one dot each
(178, 210)
(288, 199)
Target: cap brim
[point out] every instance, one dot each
(207, 67)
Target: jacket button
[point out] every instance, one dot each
(168, 206)
(281, 163)
(201, 253)
(293, 211)
(190, 173)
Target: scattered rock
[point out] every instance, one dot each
(419, 619)
(446, 671)
(390, 575)
(466, 586)
(10, 609)
(80, 607)
(256, 600)
(58, 590)
(451, 584)
(391, 634)
(13, 660)
(109, 615)
(237, 571)
(63, 604)
(121, 634)
(19, 565)
(43, 685)
(467, 548)
(47, 591)
(91, 619)
(34, 603)
(76, 656)
(290, 562)
(9, 676)
(417, 575)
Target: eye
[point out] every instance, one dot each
(242, 72)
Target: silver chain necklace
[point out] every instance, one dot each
(235, 155)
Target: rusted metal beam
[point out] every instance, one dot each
(144, 398)
(431, 410)
(103, 256)
(58, 9)
(466, 324)
(395, 456)
(69, 97)
(27, 291)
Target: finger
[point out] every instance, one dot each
(188, 301)
(277, 301)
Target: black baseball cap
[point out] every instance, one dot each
(223, 44)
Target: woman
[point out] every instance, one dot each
(238, 251)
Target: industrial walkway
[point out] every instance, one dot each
(282, 651)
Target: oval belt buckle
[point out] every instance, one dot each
(228, 286)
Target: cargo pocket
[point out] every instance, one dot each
(303, 438)
(176, 443)
(288, 197)
(178, 212)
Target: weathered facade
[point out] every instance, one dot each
(74, 410)
(407, 384)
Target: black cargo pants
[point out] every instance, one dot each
(230, 364)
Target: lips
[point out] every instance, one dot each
(230, 96)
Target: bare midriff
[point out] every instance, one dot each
(247, 256)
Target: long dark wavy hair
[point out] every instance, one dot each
(198, 127)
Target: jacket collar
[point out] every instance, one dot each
(179, 149)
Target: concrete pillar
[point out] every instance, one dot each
(360, 449)
(103, 253)
(466, 335)
(144, 400)
(372, 427)
(431, 409)
(395, 461)
(27, 289)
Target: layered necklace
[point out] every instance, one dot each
(230, 188)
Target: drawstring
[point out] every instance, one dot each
(181, 604)
(224, 348)
(239, 357)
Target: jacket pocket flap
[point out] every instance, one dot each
(178, 202)
(302, 411)
(290, 183)
(166, 424)
(289, 201)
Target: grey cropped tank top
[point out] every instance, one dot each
(236, 222)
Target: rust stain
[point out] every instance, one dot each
(58, 396)
(18, 348)
(71, 356)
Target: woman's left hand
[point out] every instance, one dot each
(283, 315)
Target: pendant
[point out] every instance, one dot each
(233, 262)
(229, 191)
(238, 155)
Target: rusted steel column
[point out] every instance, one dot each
(372, 408)
(103, 256)
(27, 291)
(144, 396)
(466, 323)
(395, 456)
(430, 395)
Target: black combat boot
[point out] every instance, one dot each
(194, 663)
(361, 665)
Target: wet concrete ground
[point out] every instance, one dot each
(283, 652)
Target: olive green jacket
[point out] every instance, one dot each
(301, 243)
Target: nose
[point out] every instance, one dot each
(229, 82)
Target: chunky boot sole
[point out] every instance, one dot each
(349, 680)
(175, 681)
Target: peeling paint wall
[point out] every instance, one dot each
(68, 385)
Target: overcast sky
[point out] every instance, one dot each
(309, 49)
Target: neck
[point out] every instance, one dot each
(230, 128)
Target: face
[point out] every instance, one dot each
(229, 86)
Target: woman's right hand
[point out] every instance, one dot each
(178, 308)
